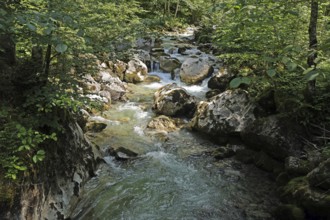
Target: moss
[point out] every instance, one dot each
(7, 193)
(295, 185)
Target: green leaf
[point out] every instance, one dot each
(271, 72)
(308, 70)
(21, 168)
(235, 83)
(312, 75)
(34, 158)
(41, 152)
(286, 60)
(48, 31)
(31, 27)
(291, 66)
(81, 33)
(61, 48)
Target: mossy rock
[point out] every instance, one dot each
(267, 163)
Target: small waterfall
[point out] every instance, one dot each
(154, 66)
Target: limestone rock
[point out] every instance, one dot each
(277, 136)
(227, 113)
(172, 100)
(122, 153)
(90, 85)
(220, 80)
(320, 176)
(212, 93)
(94, 126)
(297, 167)
(195, 70)
(119, 68)
(136, 71)
(162, 123)
(169, 64)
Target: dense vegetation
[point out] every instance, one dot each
(281, 46)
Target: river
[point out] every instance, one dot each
(176, 178)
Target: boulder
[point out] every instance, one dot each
(142, 55)
(223, 152)
(144, 43)
(90, 85)
(106, 94)
(316, 203)
(227, 113)
(320, 176)
(136, 71)
(172, 100)
(119, 68)
(122, 153)
(169, 64)
(163, 123)
(220, 80)
(116, 90)
(95, 126)
(195, 70)
(277, 136)
(212, 93)
(152, 78)
(297, 167)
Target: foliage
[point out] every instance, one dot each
(52, 38)
(266, 45)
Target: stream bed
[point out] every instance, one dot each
(176, 178)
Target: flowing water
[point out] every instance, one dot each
(173, 179)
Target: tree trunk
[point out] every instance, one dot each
(177, 8)
(44, 78)
(312, 32)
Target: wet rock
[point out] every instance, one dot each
(95, 126)
(265, 162)
(195, 70)
(223, 152)
(163, 123)
(212, 93)
(172, 50)
(136, 71)
(297, 167)
(169, 64)
(277, 136)
(158, 52)
(122, 153)
(220, 80)
(142, 55)
(172, 100)
(152, 78)
(320, 176)
(289, 212)
(183, 48)
(227, 113)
